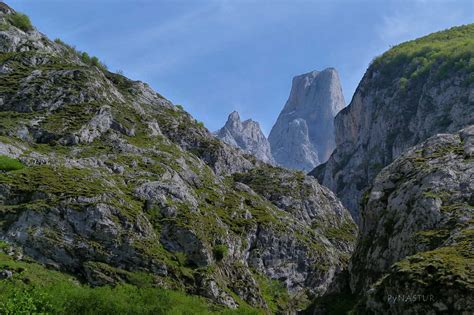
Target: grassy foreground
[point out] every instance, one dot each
(33, 289)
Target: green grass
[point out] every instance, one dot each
(33, 289)
(439, 54)
(220, 251)
(9, 164)
(21, 21)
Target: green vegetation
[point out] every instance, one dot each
(84, 56)
(433, 238)
(93, 61)
(33, 289)
(220, 251)
(21, 21)
(442, 267)
(9, 164)
(346, 232)
(4, 27)
(200, 124)
(440, 54)
(274, 293)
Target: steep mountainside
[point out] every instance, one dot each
(413, 91)
(415, 253)
(420, 211)
(247, 136)
(303, 135)
(105, 179)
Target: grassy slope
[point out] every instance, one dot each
(35, 289)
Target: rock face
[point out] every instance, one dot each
(117, 181)
(303, 135)
(247, 136)
(420, 212)
(407, 95)
(415, 253)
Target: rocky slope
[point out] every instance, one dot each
(303, 135)
(247, 136)
(420, 211)
(116, 183)
(413, 91)
(415, 253)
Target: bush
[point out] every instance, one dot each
(220, 251)
(403, 82)
(28, 302)
(200, 124)
(9, 164)
(20, 20)
(85, 58)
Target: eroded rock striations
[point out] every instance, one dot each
(117, 182)
(413, 91)
(303, 135)
(247, 136)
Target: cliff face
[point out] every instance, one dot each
(247, 136)
(413, 91)
(415, 252)
(116, 183)
(420, 213)
(303, 135)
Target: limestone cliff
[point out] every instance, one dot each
(247, 136)
(303, 135)
(417, 232)
(413, 91)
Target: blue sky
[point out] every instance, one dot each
(216, 56)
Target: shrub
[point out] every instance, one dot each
(220, 251)
(180, 107)
(85, 58)
(403, 82)
(200, 124)
(20, 20)
(9, 164)
(28, 302)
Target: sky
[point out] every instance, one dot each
(216, 56)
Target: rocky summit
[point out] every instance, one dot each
(247, 136)
(104, 182)
(412, 92)
(303, 135)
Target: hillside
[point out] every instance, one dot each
(105, 182)
(412, 92)
(415, 253)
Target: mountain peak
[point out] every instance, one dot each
(315, 98)
(247, 136)
(234, 116)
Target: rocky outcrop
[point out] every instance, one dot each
(247, 136)
(303, 135)
(408, 94)
(415, 252)
(116, 181)
(416, 237)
